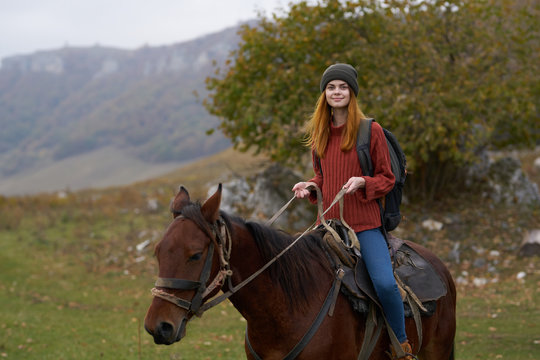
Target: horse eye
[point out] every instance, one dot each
(196, 257)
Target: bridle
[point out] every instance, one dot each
(220, 236)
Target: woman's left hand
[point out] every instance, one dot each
(354, 184)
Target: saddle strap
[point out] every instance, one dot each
(371, 333)
(373, 330)
(415, 304)
(394, 340)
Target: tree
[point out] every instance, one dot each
(441, 75)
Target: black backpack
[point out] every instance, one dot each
(390, 214)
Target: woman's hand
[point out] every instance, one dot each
(301, 189)
(354, 184)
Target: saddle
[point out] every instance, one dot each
(416, 278)
(414, 275)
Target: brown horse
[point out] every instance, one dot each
(205, 250)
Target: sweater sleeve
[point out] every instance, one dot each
(383, 179)
(318, 178)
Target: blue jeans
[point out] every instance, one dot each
(379, 266)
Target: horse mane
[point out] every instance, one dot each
(295, 271)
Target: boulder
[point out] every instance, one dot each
(536, 164)
(259, 197)
(531, 244)
(432, 225)
(508, 184)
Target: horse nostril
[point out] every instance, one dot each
(148, 330)
(165, 329)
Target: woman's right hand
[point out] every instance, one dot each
(301, 189)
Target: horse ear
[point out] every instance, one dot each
(180, 200)
(210, 208)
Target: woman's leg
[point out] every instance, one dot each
(379, 266)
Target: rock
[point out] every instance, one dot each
(272, 190)
(536, 164)
(432, 225)
(140, 247)
(479, 282)
(494, 253)
(508, 184)
(233, 196)
(531, 244)
(61, 194)
(479, 262)
(152, 205)
(259, 197)
(454, 253)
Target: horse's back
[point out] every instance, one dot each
(440, 328)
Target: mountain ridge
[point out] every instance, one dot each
(68, 102)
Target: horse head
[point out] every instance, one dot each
(186, 262)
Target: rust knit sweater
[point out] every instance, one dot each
(361, 210)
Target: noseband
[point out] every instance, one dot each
(219, 235)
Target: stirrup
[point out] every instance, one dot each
(406, 348)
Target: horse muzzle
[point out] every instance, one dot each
(165, 333)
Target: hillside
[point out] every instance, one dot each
(99, 168)
(76, 269)
(60, 104)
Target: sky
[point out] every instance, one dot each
(27, 26)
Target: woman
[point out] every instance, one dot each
(332, 132)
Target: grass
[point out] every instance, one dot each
(55, 306)
(500, 321)
(74, 286)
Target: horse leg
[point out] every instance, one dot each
(439, 330)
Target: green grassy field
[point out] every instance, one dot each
(74, 286)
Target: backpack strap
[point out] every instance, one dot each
(363, 146)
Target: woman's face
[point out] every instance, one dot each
(338, 94)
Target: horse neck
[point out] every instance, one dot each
(261, 301)
(255, 296)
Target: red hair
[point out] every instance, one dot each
(318, 126)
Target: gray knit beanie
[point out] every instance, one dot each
(343, 72)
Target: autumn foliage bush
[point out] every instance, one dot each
(449, 78)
